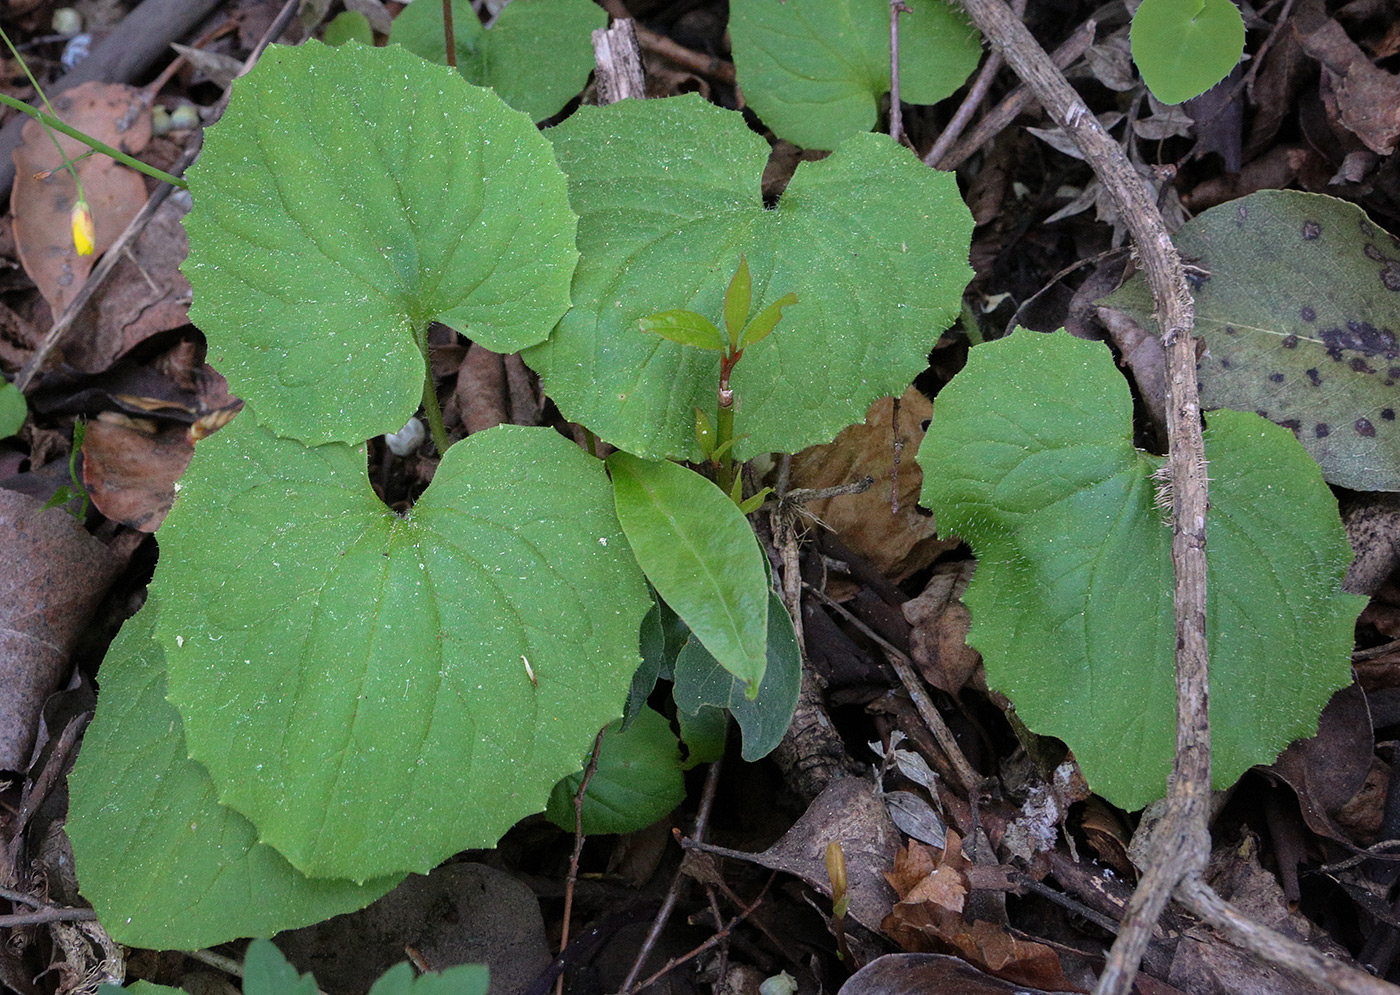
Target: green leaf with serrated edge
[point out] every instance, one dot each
(1030, 459)
(460, 979)
(815, 71)
(737, 300)
(762, 326)
(348, 25)
(638, 780)
(1184, 47)
(537, 54)
(163, 863)
(705, 735)
(349, 197)
(684, 327)
(700, 554)
(1298, 300)
(355, 680)
(13, 410)
(668, 197)
(700, 681)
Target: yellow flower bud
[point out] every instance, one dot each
(84, 228)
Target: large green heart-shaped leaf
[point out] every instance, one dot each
(536, 55)
(163, 863)
(873, 243)
(698, 550)
(349, 197)
(816, 70)
(1184, 47)
(1030, 458)
(374, 691)
(1299, 300)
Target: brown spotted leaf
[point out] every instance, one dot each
(1298, 299)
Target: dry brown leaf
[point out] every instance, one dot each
(42, 207)
(895, 545)
(940, 621)
(129, 473)
(1367, 99)
(55, 574)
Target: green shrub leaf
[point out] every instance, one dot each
(1298, 300)
(13, 410)
(267, 972)
(685, 327)
(668, 197)
(349, 197)
(354, 680)
(349, 25)
(638, 780)
(1184, 47)
(701, 682)
(699, 552)
(1030, 458)
(816, 70)
(537, 55)
(163, 863)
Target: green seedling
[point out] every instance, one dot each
(1185, 47)
(65, 493)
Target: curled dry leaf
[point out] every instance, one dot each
(1364, 97)
(130, 470)
(55, 575)
(43, 195)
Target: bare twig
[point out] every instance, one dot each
(702, 823)
(217, 961)
(1001, 116)
(972, 782)
(697, 62)
(897, 7)
(975, 95)
(49, 913)
(572, 879)
(449, 33)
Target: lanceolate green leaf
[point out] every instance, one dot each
(816, 70)
(699, 553)
(686, 328)
(349, 197)
(536, 55)
(637, 781)
(873, 243)
(700, 681)
(356, 681)
(1184, 47)
(1030, 458)
(1298, 299)
(165, 865)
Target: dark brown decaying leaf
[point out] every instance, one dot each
(130, 469)
(938, 642)
(920, 974)
(54, 575)
(1366, 98)
(42, 207)
(1327, 771)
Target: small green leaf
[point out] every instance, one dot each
(686, 328)
(348, 25)
(705, 434)
(460, 979)
(267, 972)
(1030, 459)
(1299, 303)
(762, 326)
(668, 197)
(701, 681)
(13, 409)
(737, 300)
(704, 734)
(537, 55)
(652, 642)
(1184, 47)
(355, 680)
(815, 71)
(638, 780)
(349, 197)
(165, 865)
(754, 501)
(700, 554)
